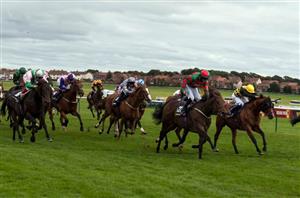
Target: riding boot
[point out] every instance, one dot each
(119, 99)
(185, 108)
(234, 110)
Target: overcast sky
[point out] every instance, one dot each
(241, 36)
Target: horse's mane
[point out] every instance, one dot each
(261, 96)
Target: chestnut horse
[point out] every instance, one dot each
(68, 104)
(247, 120)
(197, 120)
(96, 101)
(128, 110)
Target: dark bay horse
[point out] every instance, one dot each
(295, 120)
(128, 111)
(247, 120)
(33, 107)
(15, 114)
(96, 100)
(68, 104)
(197, 120)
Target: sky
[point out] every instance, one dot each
(250, 36)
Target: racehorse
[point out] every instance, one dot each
(197, 120)
(295, 120)
(247, 120)
(33, 106)
(68, 104)
(96, 100)
(128, 111)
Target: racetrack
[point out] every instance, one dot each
(91, 165)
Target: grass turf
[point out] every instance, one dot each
(86, 164)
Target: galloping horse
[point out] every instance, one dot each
(68, 104)
(128, 110)
(96, 101)
(197, 119)
(247, 120)
(33, 105)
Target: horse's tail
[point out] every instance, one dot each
(157, 114)
(3, 107)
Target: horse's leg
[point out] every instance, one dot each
(133, 126)
(182, 140)
(63, 119)
(166, 143)
(75, 113)
(250, 134)
(202, 140)
(104, 116)
(91, 109)
(260, 131)
(220, 123)
(51, 118)
(141, 127)
(43, 123)
(164, 130)
(122, 123)
(111, 121)
(233, 140)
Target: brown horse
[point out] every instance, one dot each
(128, 110)
(295, 120)
(68, 104)
(96, 100)
(247, 120)
(197, 119)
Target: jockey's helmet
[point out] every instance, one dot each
(204, 74)
(140, 82)
(22, 70)
(249, 88)
(71, 77)
(131, 80)
(39, 73)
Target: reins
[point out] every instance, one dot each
(73, 102)
(201, 112)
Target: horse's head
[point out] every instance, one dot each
(265, 105)
(142, 93)
(77, 86)
(216, 101)
(45, 91)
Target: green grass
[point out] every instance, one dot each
(86, 164)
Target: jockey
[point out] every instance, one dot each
(63, 83)
(189, 88)
(18, 76)
(97, 83)
(125, 89)
(241, 96)
(31, 77)
(140, 82)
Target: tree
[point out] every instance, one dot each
(287, 89)
(153, 72)
(92, 71)
(274, 87)
(109, 76)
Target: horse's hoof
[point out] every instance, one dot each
(265, 149)
(50, 140)
(215, 150)
(144, 133)
(180, 147)
(195, 146)
(32, 139)
(157, 140)
(53, 128)
(115, 135)
(261, 153)
(81, 129)
(21, 141)
(175, 145)
(96, 126)
(165, 147)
